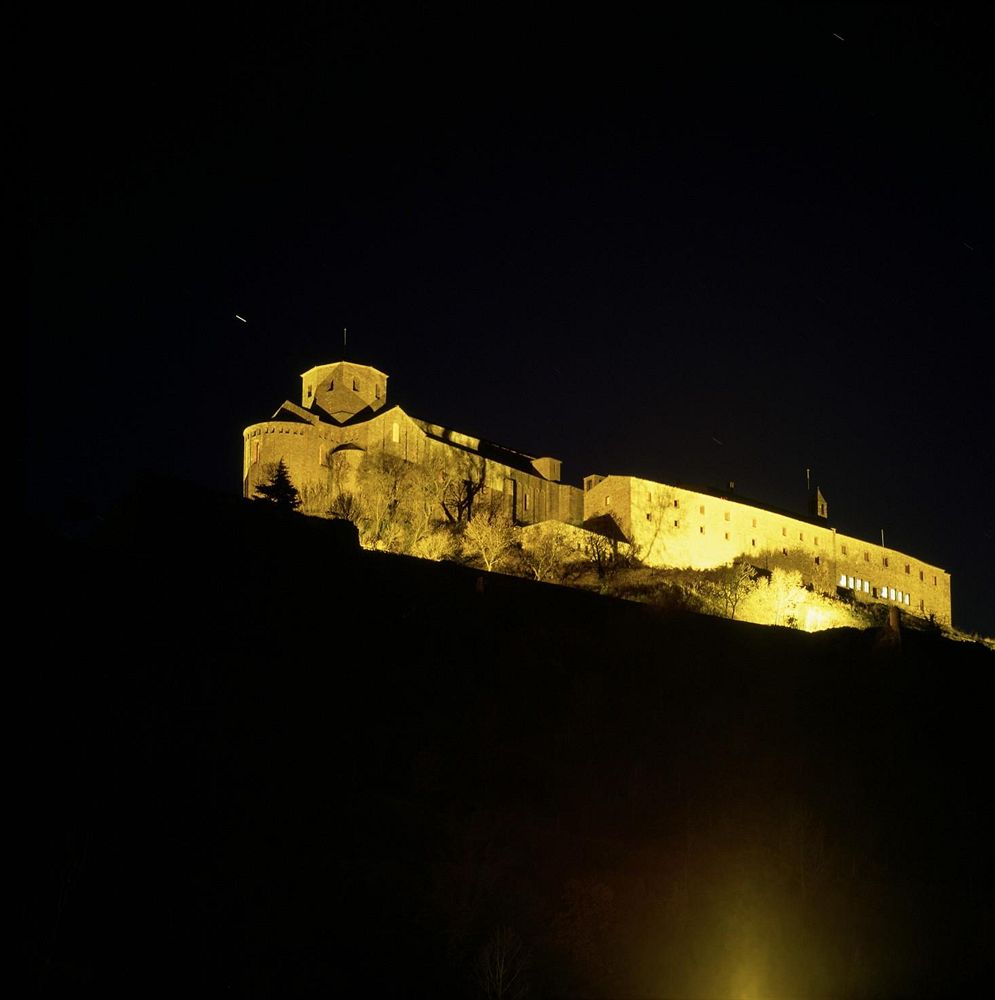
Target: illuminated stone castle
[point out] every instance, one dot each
(343, 412)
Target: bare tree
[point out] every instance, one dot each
(502, 970)
(544, 553)
(490, 532)
(464, 477)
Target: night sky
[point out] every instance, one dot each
(731, 244)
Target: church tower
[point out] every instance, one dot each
(342, 389)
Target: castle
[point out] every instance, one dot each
(344, 413)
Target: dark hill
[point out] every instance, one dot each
(271, 762)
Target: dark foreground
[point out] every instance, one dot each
(263, 761)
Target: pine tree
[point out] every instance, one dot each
(280, 490)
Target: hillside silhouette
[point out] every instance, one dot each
(271, 761)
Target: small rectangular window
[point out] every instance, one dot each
(753, 542)
(920, 574)
(899, 597)
(784, 552)
(886, 560)
(649, 517)
(677, 503)
(816, 539)
(891, 592)
(867, 587)
(608, 501)
(867, 557)
(754, 522)
(818, 561)
(701, 530)
(677, 524)
(355, 385)
(701, 509)
(376, 390)
(801, 536)
(906, 599)
(843, 549)
(727, 536)
(908, 568)
(922, 604)
(842, 579)
(849, 582)
(934, 581)
(726, 515)
(784, 532)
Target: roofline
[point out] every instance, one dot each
(343, 361)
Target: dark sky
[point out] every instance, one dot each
(617, 238)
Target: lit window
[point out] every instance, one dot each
(395, 432)
(859, 582)
(526, 501)
(891, 592)
(608, 501)
(849, 582)
(842, 579)
(867, 587)
(906, 599)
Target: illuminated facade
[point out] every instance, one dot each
(344, 413)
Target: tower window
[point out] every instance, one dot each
(355, 385)
(727, 536)
(677, 503)
(886, 560)
(310, 391)
(331, 385)
(908, 568)
(726, 515)
(843, 549)
(701, 509)
(677, 524)
(376, 390)
(701, 530)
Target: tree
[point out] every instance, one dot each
(490, 532)
(503, 966)
(462, 479)
(279, 490)
(545, 552)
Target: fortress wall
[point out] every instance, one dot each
(299, 445)
(924, 588)
(672, 526)
(611, 498)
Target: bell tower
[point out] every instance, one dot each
(342, 389)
